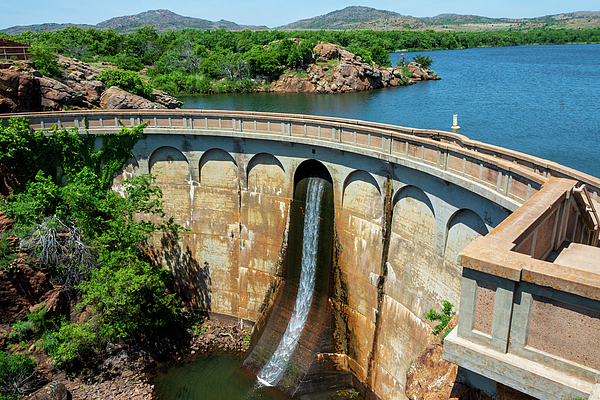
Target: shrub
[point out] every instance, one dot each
(21, 330)
(15, 371)
(49, 343)
(444, 317)
(73, 342)
(424, 61)
(6, 251)
(46, 62)
(126, 80)
(129, 63)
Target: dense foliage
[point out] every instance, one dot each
(87, 235)
(126, 80)
(15, 371)
(212, 61)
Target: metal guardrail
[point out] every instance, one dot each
(511, 173)
(18, 52)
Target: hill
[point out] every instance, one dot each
(357, 17)
(347, 18)
(165, 20)
(162, 20)
(354, 17)
(50, 27)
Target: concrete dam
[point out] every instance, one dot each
(388, 222)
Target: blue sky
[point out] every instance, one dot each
(269, 12)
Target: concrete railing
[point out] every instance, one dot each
(512, 174)
(530, 298)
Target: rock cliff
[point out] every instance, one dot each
(23, 88)
(432, 378)
(338, 70)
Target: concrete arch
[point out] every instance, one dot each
(413, 266)
(265, 174)
(463, 227)
(361, 195)
(415, 193)
(413, 217)
(170, 165)
(309, 168)
(218, 168)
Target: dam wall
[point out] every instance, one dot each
(406, 203)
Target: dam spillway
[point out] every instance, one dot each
(406, 202)
(275, 367)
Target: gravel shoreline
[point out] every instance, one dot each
(126, 377)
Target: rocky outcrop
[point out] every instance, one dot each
(115, 98)
(21, 288)
(338, 70)
(432, 378)
(23, 88)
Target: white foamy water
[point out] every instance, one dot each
(272, 371)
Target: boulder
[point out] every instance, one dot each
(55, 94)
(328, 51)
(115, 98)
(53, 391)
(20, 291)
(5, 222)
(166, 100)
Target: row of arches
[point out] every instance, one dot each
(216, 167)
(415, 215)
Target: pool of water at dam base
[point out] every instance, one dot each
(223, 378)
(539, 100)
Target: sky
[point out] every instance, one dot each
(269, 12)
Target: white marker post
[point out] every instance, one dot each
(455, 126)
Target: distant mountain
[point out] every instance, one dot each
(162, 20)
(165, 20)
(569, 16)
(15, 30)
(445, 19)
(348, 18)
(354, 17)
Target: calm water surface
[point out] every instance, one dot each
(217, 375)
(540, 100)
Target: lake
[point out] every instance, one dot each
(540, 100)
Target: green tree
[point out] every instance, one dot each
(424, 61)
(262, 61)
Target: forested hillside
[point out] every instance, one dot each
(190, 61)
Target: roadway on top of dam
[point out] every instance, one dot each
(507, 177)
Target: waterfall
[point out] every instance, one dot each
(272, 371)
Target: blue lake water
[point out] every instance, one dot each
(540, 100)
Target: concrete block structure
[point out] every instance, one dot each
(530, 299)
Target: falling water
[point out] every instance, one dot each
(272, 371)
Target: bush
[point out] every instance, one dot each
(21, 330)
(46, 62)
(15, 371)
(74, 341)
(128, 63)
(126, 80)
(424, 61)
(444, 317)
